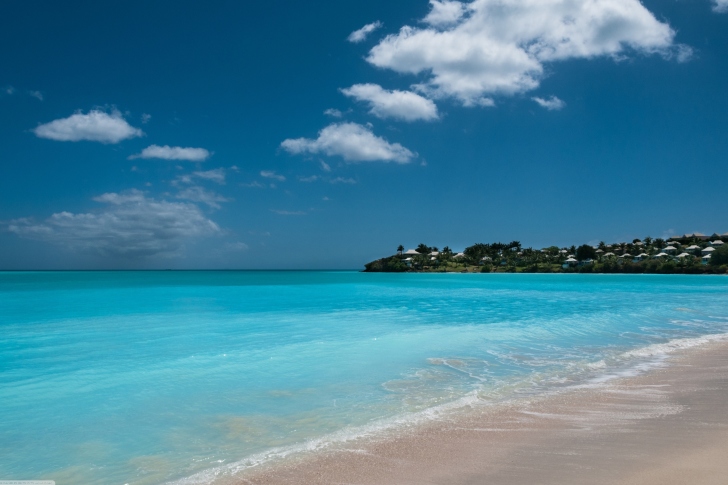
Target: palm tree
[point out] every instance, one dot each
(400, 249)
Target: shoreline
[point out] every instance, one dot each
(669, 423)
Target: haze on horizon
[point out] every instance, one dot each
(293, 135)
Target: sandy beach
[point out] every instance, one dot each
(667, 426)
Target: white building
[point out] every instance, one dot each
(683, 255)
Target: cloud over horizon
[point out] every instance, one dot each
(96, 125)
(129, 225)
(352, 142)
(400, 105)
(473, 51)
(167, 152)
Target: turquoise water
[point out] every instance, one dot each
(150, 377)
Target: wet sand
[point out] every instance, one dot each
(669, 426)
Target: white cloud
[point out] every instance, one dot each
(445, 13)
(312, 178)
(253, 185)
(361, 34)
(325, 166)
(217, 175)
(269, 174)
(130, 225)
(167, 152)
(96, 125)
(343, 180)
(552, 104)
(401, 105)
(720, 6)
(352, 142)
(36, 94)
(202, 195)
(334, 113)
(501, 46)
(146, 118)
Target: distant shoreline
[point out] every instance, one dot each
(688, 254)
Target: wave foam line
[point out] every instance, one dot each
(656, 352)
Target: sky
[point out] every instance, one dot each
(322, 135)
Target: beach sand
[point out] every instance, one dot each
(668, 426)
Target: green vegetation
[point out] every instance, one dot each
(683, 255)
(720, 256)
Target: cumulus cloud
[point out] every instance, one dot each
(130, 225)
(96, 125)
(167, 152)
(444, 13)
(269, 174)
(216, 175)
(351, 141)
(202, 195)
(401, 105)
(361, 34)
(720, 6)
(499, 47)
(552, 104)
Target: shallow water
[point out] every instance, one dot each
(149, 377)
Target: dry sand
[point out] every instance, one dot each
(669, 426)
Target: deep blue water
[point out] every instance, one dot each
(148, 377)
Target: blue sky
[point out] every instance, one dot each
(322, 135)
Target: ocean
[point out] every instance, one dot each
(192, 377)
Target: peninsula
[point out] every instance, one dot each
(694, 253)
